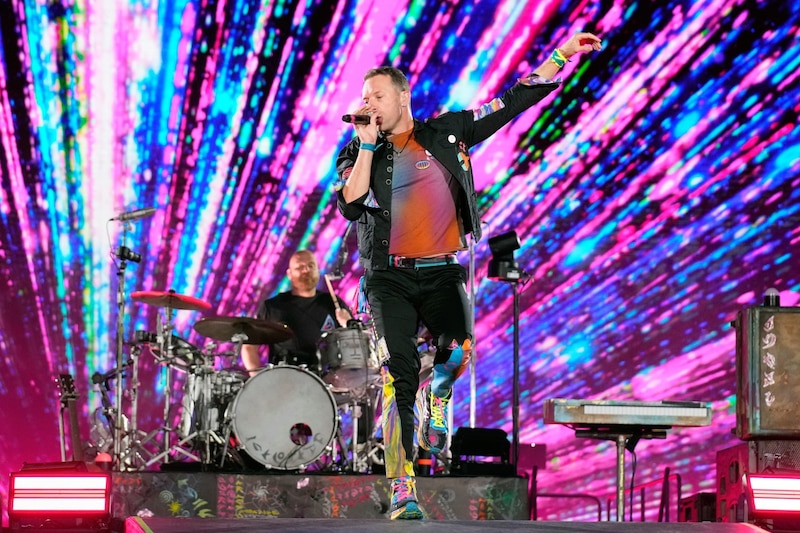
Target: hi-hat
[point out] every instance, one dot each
(225, 328)
(170, 299)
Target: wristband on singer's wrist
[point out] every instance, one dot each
(369, 147)
(558, 58)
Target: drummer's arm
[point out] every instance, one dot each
(343, 314)
(250, 358)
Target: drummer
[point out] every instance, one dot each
(307, 311)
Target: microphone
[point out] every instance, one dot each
(356, 119)
(136, 214)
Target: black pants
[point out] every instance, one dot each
(401, 298)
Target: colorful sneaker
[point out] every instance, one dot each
(432, 410)
(404, 500)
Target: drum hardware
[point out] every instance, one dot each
(132, 454)
(176, 353)
(101, 434)
(198, 429)
(362, 453)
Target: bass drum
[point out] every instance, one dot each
(284, 417)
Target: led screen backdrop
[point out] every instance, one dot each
(656, 193)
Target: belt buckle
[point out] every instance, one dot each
(402, 262)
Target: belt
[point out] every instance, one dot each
(398, 261)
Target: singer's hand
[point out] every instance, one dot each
(367, 133)
(581, 42)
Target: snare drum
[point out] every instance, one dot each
(347, 358)
(284, 417)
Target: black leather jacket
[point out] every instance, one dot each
(448, 138)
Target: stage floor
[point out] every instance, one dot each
(310, 525)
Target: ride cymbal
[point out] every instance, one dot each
(224, 328)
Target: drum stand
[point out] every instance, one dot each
(136, 444)
(238, 339)
(133, 456)
(362, 454)
(205, 434)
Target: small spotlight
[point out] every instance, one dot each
(502, 265)
(54, 498)
(774, 494)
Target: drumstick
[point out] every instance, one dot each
(330, 290)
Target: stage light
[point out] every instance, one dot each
(52, 498)
(502, 265)
(774, 494)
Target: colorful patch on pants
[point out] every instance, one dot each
(397, 465)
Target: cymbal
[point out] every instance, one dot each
(224, 328)
(170, 299)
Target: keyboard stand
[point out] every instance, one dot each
(626, 437)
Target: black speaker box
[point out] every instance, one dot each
(481, 452)
(700, 507)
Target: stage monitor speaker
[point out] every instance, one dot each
(481, 452)
(767, 373)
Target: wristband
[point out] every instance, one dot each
(558, 58)
(369, 147)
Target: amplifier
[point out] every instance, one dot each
(767, 373)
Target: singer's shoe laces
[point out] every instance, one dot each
(432, 410)
(404, 500)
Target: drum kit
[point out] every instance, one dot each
(279, 417)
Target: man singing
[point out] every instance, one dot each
(409, 184)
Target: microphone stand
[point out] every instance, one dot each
(515, 404)
(124, 254)
(473, 294)
(118, 418)
(517, 279)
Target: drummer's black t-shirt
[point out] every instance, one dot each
(308, 318)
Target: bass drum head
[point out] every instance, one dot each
(284, 417)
